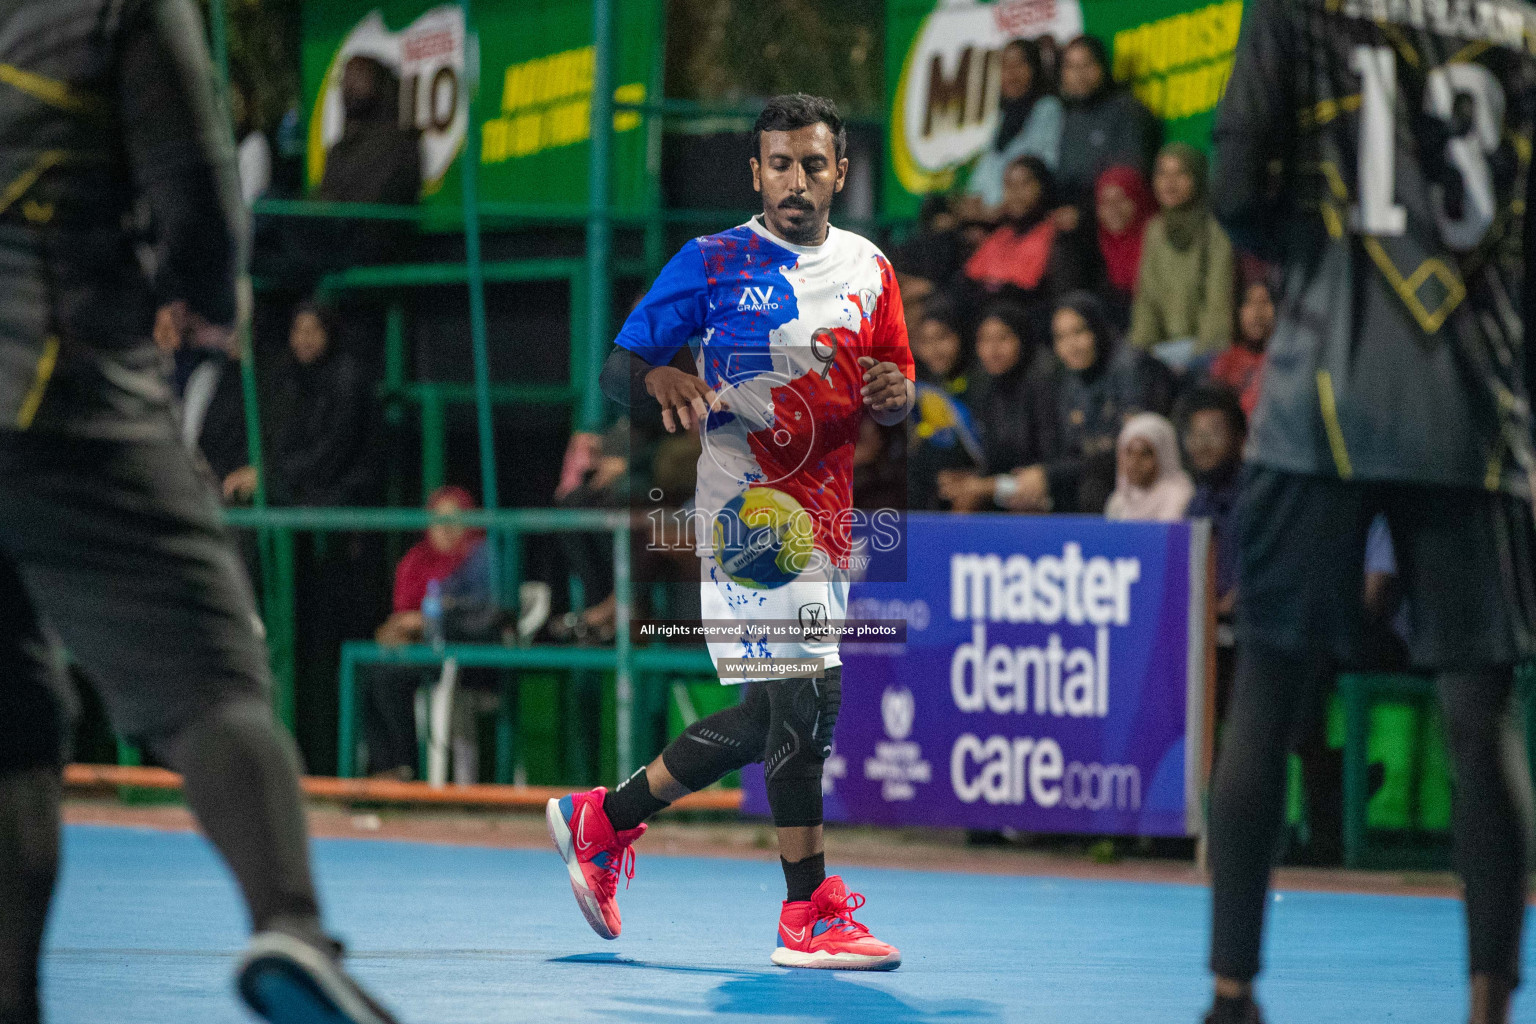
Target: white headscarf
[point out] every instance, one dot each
(1169, 495)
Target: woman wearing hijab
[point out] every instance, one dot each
(1102, 124)
(1077, 406)
(1184, 291)
(1021, 261)
(1123, 205)
(1000, 402)
(1150, 484)
(1029, 124)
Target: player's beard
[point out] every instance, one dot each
(808, 228)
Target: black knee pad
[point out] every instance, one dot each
(802, 718)
(725, 741)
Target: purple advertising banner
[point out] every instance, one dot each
(1052, 680)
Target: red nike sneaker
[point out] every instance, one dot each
(595, 855)
(822, 933)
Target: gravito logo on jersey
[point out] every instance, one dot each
(755, 300)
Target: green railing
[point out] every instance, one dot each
(505, 529)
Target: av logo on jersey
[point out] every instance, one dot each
(757, 300)
(428, 58)
(945, 110)
(898, 763)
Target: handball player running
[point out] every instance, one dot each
(110, 539)
(1380, 150)
(796, 331)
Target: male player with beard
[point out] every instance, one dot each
(111, 545)
(797, 332)
(1380, 151)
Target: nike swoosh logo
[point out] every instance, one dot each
(581, 830)
(797, 936)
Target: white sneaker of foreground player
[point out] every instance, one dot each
(595, 855)
(821, 933)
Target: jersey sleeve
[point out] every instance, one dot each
(1254, 124)
(888, 343)
(672, 312)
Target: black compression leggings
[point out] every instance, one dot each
(1492, 807)
(787, 724)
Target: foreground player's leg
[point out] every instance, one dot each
(594, 831)
(121, 551)
(1247, 815)
(816, 924)
(1493, 822)
(29, 860)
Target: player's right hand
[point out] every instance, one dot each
(684, 398)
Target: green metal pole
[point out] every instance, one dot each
(269, 550)
(623, 676)
(469, 168)
(599, 217)
(655, 226)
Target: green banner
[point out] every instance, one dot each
(533, 111)
(942, 72)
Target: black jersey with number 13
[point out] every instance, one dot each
(1379, 151)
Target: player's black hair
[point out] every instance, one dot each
(799, 110)
(1217, 397)
(1095, 46)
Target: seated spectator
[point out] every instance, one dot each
(319, 418)
(929, 259)
(1028, 124)
(1122, 205)
(1241, 366)
(389, 695)
(1078, 405)
(938, 347)
(1102, 124)
(1214, 431)
(1150, 482)
(880, 466)
(1020, 260)
(1183, 304)
(1000, 402)
(943, 435)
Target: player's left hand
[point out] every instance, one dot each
(885, 387)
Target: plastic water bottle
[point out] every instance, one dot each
(432, 615)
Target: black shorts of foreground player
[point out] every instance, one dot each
(841, 285)
(1374, 151)
(110, 541)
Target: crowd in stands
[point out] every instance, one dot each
(1087, 339)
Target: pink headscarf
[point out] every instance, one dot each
(1169, 495)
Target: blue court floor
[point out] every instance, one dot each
(146, 930)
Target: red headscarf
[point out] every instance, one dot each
(424, 563)
(1122, 252)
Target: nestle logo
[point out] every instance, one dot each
(1012, 17)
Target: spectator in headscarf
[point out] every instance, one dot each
(376, 160)
(1241, 366)
(319, 417)
(1021, 261)
(1102, 124)
(1185, 288)
(1029, 124)
(942, 434)
(929, 260)
(939, 349)
(1078, 405)
(1001, 396)
(1150, 482)
(1123, 206)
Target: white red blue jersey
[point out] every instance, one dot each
(776, 331)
